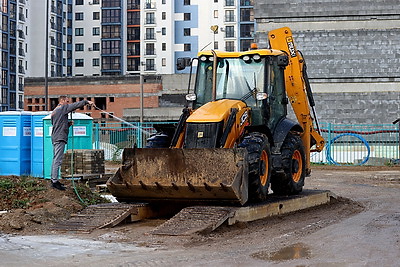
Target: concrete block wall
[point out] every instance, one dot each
(320, 10)
(362, 53)
(358, 108)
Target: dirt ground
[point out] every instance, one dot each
(359, 228)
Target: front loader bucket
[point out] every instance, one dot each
(188, 175)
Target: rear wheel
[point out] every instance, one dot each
(293, 161)
(258, 149)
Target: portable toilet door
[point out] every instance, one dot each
(37, 143)
(80, 137)
(15, 143)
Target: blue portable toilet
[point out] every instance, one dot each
(37, 143)
(15, 143)
(80, 137)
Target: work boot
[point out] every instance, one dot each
(57, 185)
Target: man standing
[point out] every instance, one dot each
(59, 134)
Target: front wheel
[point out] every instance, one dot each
(291, 181)
(259, 161)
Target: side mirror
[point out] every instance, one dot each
(191, 97)
(183, 62)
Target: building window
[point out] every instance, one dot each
(150, 49)
(150, 64)
(246, 14)
(150, 19)
(150, 34)
(112, 3)
(96, 15)
(111, 15)
(133, 33)
(164, 62)
(78, 2)
(133, 18)
(163, 15)
(163, 31)
(229, 2)
(133, 49)
(186, 32)
(215, 45)
(96, 46)
(164, 46)
(79, 16)
(230, 46)
(78, 31)
(96, 31)
(229, 16)
(247, 2)
(79, 62)
(112, 31)
(111, 47)
(163, 2)
(111, 63)
(186, 16)
(246, 30)
(96, 2)
(79, 47)
(186, 2)
(187, 47)
(96, 62)
(215, 14)
(229, 31)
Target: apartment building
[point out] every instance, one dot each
(13, 52)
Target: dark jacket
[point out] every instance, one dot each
(59, 119)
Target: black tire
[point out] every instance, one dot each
(259, 160)
(158, 140)
(291, 182)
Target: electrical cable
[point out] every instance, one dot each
(330, 143)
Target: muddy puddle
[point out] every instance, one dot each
(292, 252)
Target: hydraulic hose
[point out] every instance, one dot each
(330, 143)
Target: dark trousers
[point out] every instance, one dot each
(58, 155)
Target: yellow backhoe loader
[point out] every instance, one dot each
(233, 140)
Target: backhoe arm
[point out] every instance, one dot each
(298, 89)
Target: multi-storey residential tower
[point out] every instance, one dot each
(13, 47)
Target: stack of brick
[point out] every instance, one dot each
(85, 162)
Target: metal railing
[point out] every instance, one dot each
(358, 144)
(353, 144)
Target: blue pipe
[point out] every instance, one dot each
(328, 148)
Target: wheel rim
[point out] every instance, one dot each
(264, 168)
(296, 174)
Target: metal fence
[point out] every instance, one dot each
(353, 144)
(358, 144)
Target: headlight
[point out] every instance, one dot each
(257, 57)
(246, 58)
(203, 58)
